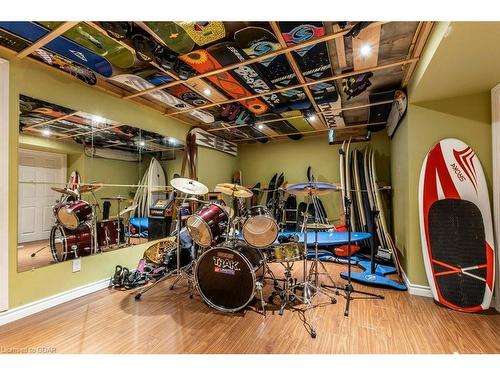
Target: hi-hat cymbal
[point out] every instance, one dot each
(234, 189)
(311, 188)
(320, 226)
(117, 198)
(65, 191)
(90, 188)
(188, 186)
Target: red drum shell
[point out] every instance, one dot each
(72, 214)
(207, 225)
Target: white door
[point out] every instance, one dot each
(38, 171)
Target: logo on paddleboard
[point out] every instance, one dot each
(78, 54)
(465, 165)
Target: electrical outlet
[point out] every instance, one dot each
(77, 265)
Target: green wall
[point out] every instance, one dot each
(467, 118)
(33, 79)
(259, 162)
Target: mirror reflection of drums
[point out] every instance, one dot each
(76, 232)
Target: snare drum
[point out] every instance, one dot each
(69, 244)
(260, 230)
(288, 252)
(207, 225)
(72, 214)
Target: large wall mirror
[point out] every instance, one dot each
(87, 184)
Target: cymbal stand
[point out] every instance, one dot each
(94, 221)
(310, 289)
(181, 272)
(349, 288)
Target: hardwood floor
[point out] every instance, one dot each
(111, 321)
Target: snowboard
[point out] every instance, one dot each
(291, 213)
(97, 42)
(138, 83)
(314, 62)
(61, 45)
(203, 32)
(257, 41)
(276, 196)
(202, 61)
(174, 36)
(18, 44)
(270, 193)
(228, 53)
(281, 127)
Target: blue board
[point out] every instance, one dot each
(377, 278)
(329, 238)
(61, 46)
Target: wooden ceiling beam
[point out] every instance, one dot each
(302, 85)
(252, 60)
(47, 122)
(296, 70)
(423, 35)
(344, 128)
(47, 38)
(301, 116)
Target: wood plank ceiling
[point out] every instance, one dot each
(386, 52)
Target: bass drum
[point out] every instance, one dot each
(69, 244)
(227, 278)
(260, 230)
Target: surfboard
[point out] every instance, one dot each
(358, 195)
(377, 200)
(456, 227)
(156, 180)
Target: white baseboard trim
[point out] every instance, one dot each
(416, 289)
(46, 303)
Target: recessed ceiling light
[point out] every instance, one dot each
(260, 126)
(46, 132)
(365, 50)
(98, 119)
(172, 141)
(142, 143)
(311, 117)
(207, 91)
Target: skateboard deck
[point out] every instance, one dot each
(257, 41)
(280, 127)
(17, 44)
(138, 83)
(97, 42)
(228, 53)
(314, 62)
(203, 62)
(61, 46)
(174, 36)
(204, 32)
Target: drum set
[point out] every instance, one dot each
(234, 248)
(76, 231)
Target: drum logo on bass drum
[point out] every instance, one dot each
(225, 265)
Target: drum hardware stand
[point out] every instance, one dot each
(310, 289)
(349, 288)
(36, 252)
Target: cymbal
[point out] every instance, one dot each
(117, 198)
(233, 189)
(90, 188)
(320, 226)
(311, 188)
(65, 191)
(188, 186)
(128, 209)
